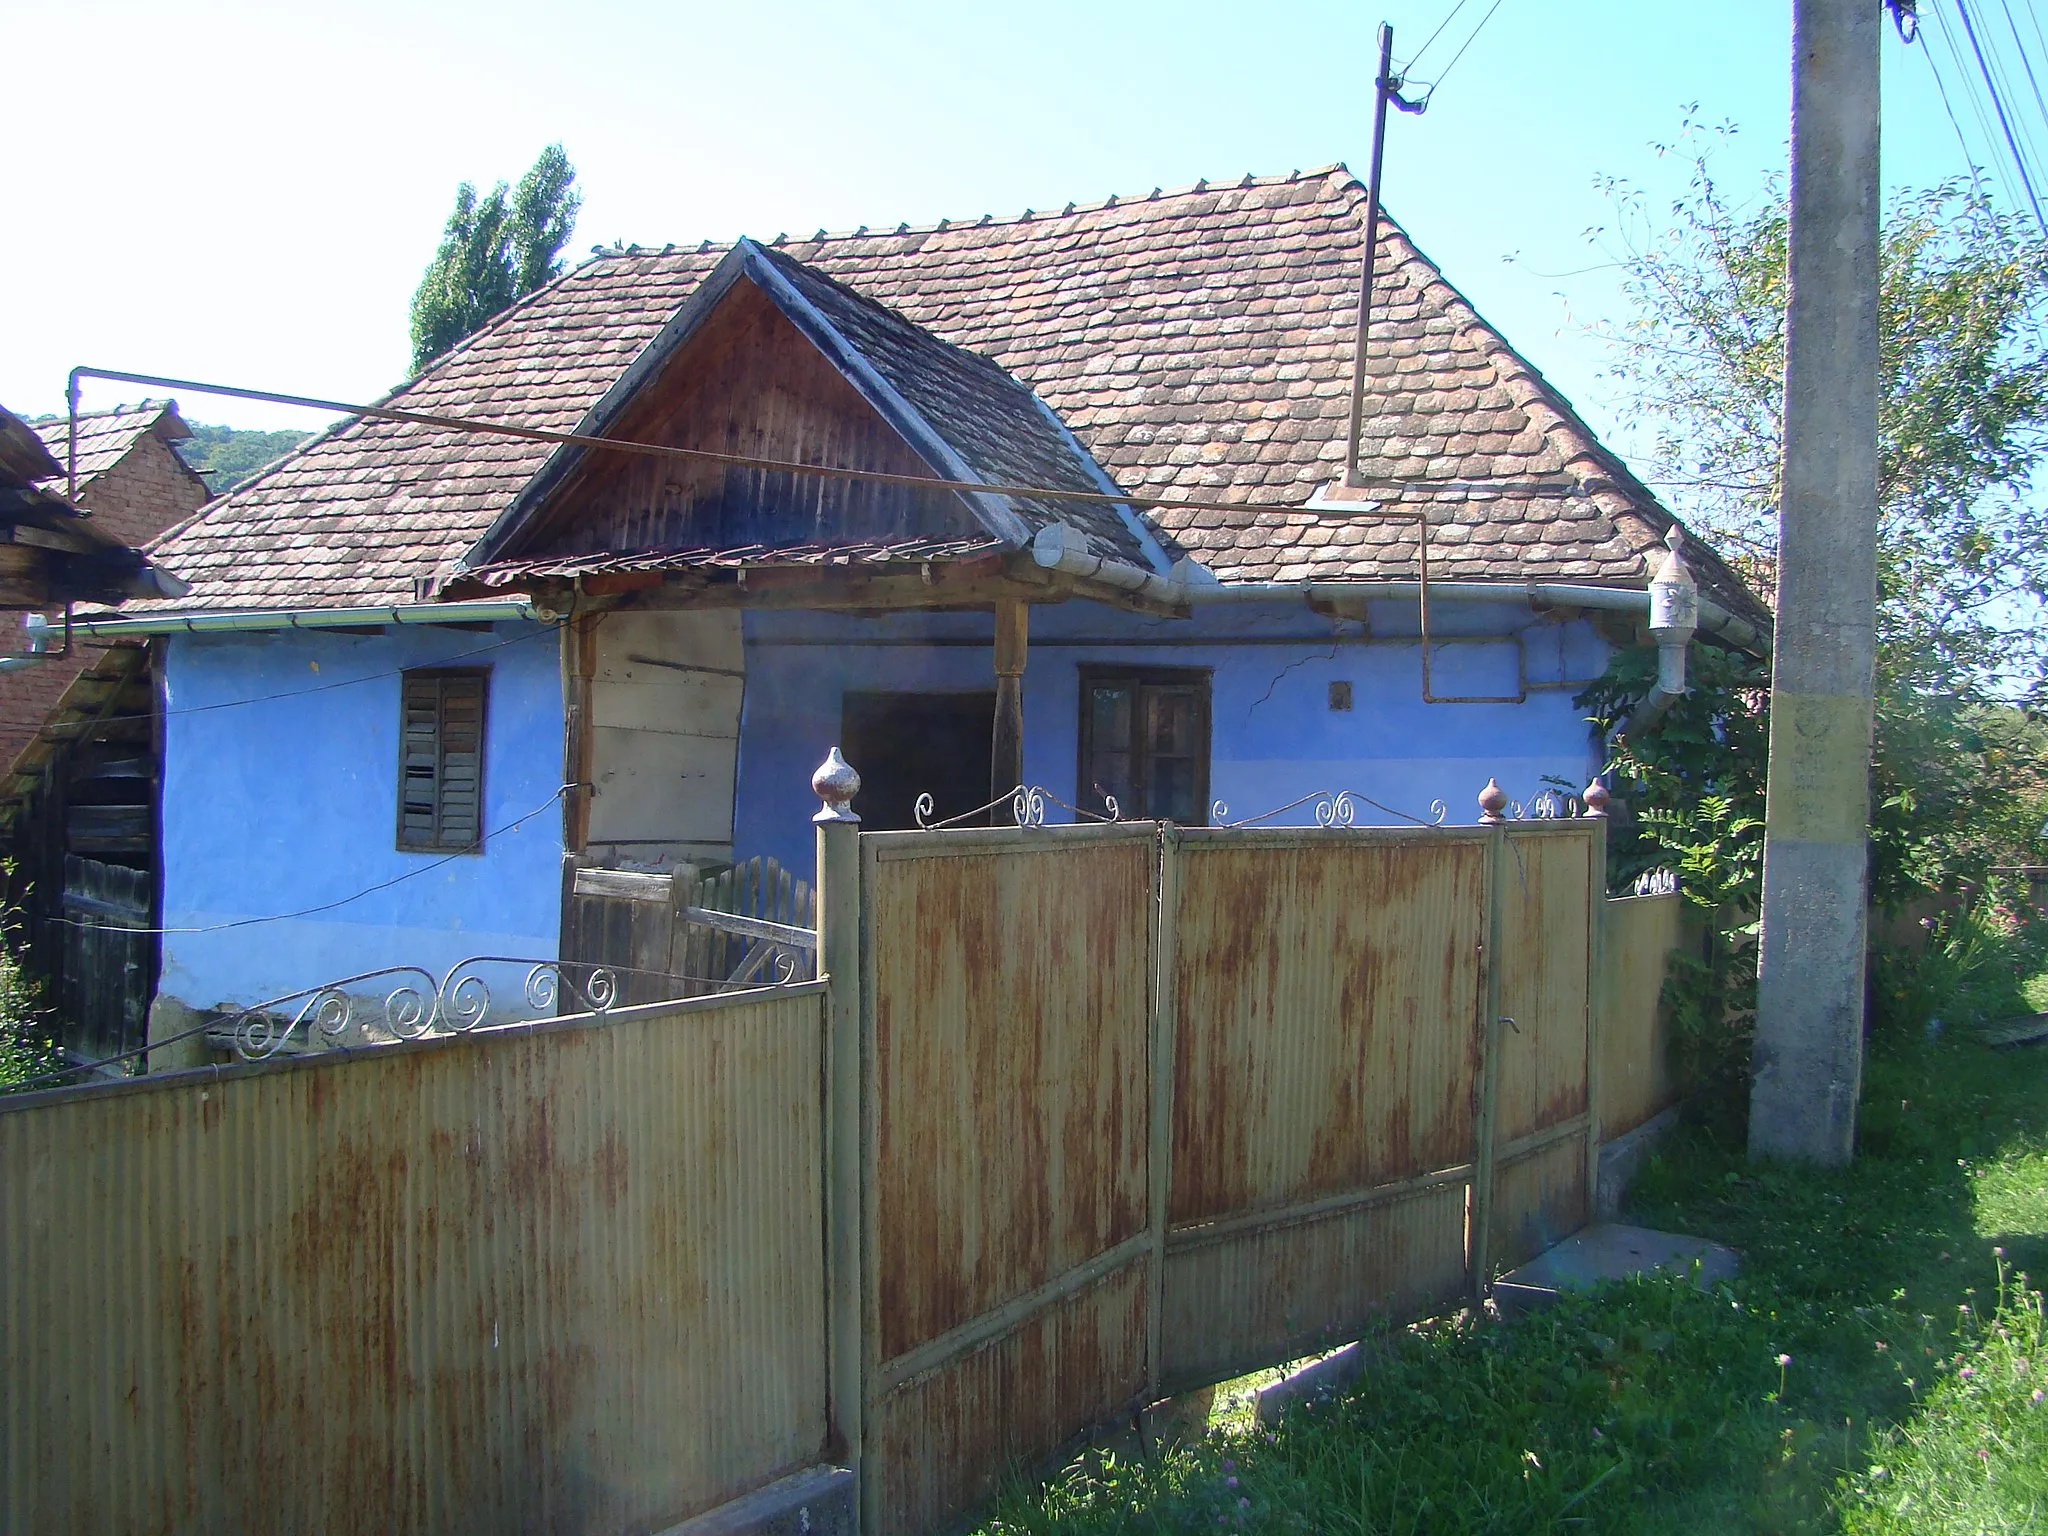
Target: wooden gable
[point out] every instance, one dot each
(746, 381)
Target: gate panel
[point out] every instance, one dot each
(1325, 1058)
(1007, 1187)
(1541, 1115)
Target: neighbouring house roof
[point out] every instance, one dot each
(53, 551)
(105, 438)
(1196, 343)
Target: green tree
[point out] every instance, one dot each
(1960, 771)
(496, 249)
(1963, 541)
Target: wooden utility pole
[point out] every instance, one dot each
(1809, 1040)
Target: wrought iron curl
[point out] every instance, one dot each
(407, 1013)
(465, 1001)
(260, 1031)
(1027, 803)
(1339, 811)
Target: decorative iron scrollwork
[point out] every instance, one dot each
(261, 1030)
(1027, 803)
(1332, 809)
(460, 1001)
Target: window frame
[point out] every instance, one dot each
(1094, 674)
(481, 676)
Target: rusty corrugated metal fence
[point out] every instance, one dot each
(1080, 1117)
(1149, 1107)
(560, 1279)
(1636, 1080)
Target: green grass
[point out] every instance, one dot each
(1890, 1291)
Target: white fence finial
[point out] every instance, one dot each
(1493, 803)
(835, 783)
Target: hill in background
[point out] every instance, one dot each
(227, 456)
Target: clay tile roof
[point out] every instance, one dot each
(1002, 432)
(105, 437)
(1198, 343)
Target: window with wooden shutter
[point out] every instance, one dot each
(441, 760)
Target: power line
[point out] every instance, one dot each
(1439, 32)
(1998, 106)
(1469, 41)
(2020, 47)
(1967, 86)
(2025, 131)
(1962, 142)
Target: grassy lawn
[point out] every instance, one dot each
(1877, 1368)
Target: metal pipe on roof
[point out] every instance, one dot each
(1413, 483)
(522, 609)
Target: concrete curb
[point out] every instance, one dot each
(1622, 1159)
(817, 1501)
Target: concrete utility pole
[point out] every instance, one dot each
(1809, 1040)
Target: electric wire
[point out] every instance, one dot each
(2020, 47)
(1965, 83)
(2004, 100)
(1947, 106)
(248, 922)
(132, 716)
(1450, 16)
(1437, 83)
(342, 901)
(1997, 104)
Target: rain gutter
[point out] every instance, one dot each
(517, 611)
(1735, 630)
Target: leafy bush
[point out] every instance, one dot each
(1972, 970)
(27, 1049)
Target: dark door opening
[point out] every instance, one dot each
(907, 744)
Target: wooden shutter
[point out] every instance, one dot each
(441, 760)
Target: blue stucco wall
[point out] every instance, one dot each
(1273, 736)
(280, 794)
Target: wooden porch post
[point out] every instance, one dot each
(1006, 754)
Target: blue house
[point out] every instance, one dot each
(1059, 500)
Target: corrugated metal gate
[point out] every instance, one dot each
(1147, 1107)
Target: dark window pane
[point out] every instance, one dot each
(1110, 716)
(1170, 720)
(1171, 793)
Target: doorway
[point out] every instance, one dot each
(907, 744)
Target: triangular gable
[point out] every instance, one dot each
(775, 362)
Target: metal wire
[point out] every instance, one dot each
(790, 466)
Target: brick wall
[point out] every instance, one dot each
(141, 496)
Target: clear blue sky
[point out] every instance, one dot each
(248, 193)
